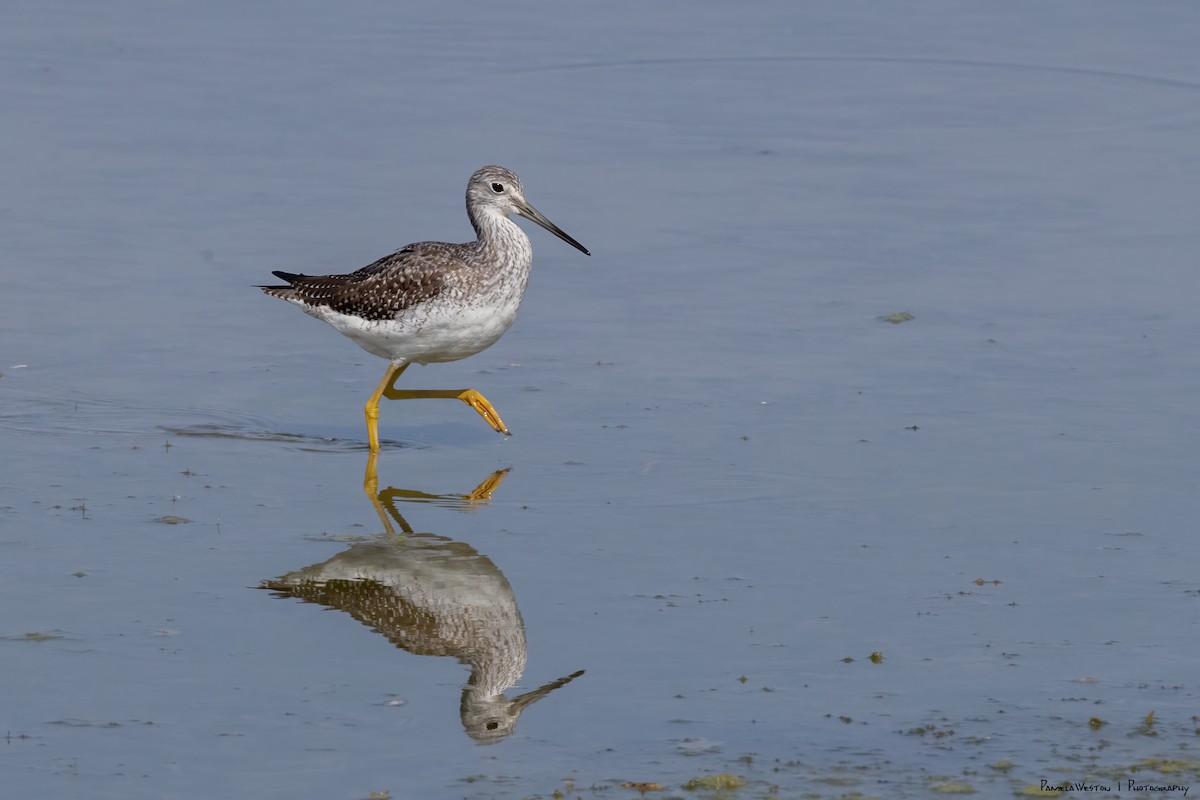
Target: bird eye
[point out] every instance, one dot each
(498, 188)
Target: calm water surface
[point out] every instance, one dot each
(731, 482)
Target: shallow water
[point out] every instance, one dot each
(731, 482)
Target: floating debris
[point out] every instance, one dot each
(171, 519)
(897, 318)
(1147, 726)
(32, 636)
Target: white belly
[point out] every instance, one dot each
(426, 334)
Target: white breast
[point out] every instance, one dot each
(454, 325)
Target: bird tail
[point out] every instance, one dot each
(283, 292)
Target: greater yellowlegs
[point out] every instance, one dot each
(431, 302)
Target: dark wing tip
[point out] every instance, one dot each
(281, 291)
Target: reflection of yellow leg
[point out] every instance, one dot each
(371, 487)
(480, 496)
(385, 501)
(483, 492)
(371, 478)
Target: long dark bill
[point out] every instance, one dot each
(530, 213)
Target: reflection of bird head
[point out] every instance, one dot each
(488, 718)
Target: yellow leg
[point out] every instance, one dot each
(387, 388)
(469, 396)
(372, 408)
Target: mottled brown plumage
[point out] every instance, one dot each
(412, 275)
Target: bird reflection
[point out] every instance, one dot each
(432, 596)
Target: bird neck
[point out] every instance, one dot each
(496, 233)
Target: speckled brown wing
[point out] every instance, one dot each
(378, 291)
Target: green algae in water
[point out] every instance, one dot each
(1167, 766)
(722, 782)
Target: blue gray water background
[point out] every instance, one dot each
(731, 481)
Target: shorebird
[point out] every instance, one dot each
(432, 302)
